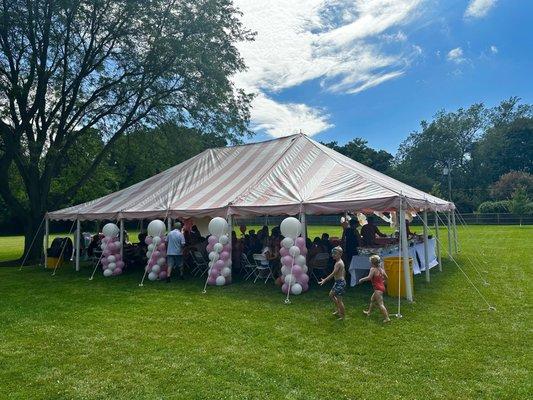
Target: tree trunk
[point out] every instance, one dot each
(33, 238)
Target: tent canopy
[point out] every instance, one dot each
(282, 176)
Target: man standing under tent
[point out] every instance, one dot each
(175, 243)
(369, 232)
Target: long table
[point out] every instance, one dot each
(360, 264)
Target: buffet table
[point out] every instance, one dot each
(360, 264)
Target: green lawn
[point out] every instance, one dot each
(66, 337)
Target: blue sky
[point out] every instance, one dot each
(340, 69)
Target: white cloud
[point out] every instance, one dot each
(493, 49)
(456, 55)
(336, 42)
(479, 8)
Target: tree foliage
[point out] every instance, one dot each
(357, 149)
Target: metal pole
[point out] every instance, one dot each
(230, 237)
(437, 240)
(449, 222)
(169, 224)
(46, 240)
(405, 254)
(304, 224)
(121, 239)
(426, 245)
(454, 232)
(78, 234)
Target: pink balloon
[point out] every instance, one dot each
(106, 253)
(226, 247)
(219, 264)
(215, 272)
(162, 247)
(212, 239)
(212, 280)
(163, 275)
(305, 287)
(300, 242)
(303, 251)
(120, 264)
(209, 248)
(287, 260)
(156, 254)
(164, 267)
(283, 252)
(163, 254)
(285, 288)
(224, 256)
(118, 257)
(297, 270)
(303, 279)
(111, 246)
(148, 240)
(117, 271)
(104, 261)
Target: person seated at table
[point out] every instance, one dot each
(195, 235)
(352, 240)
(369, 233)
(410, 234)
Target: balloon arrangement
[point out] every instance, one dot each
(111, 260)
(219, 249)
(157, 250)
(293, 251)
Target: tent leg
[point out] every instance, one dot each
(46, 240)
(141, 226)
(449, 223)
(437, 244)
(426, 245)
(78, 239)
(230, 236)
(304, 225)
(454, 232)
(169, 224)
(121, 239)
(405, 253)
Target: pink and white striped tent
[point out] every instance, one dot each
(291, 175)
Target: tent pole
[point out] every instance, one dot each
(405, 254)
(97, 227)
(121, 239)
(169, 224)
(426, 245)
(304, 224)
(141, 226)
(46, 240)
(449, 223)
(230, 236)
(437, 241)
(454, 232)
(78, 239)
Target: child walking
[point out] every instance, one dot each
(339, 286)
(377, 276)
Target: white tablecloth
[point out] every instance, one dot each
(360, 265)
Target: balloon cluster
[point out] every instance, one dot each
(219, 249)
(157, 250)
(293, 251)
(111, 260)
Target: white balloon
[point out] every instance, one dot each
(110, 230)
(108, 272)
(156, 268)
(290, 227)
(111, 266)
(213, 256)
(228, 263)
(287, 243)
(156, 228)
(156, 240)
(289, 279)
(161, 261)
(285, 270)
(296, 289)
(300, 260)
(218, 247)
(294, 251)
(226, 272)
(223, 239)
(305, 269)
(111, 259)
(210, 264)
(221, 281)
(152, 276)
(149, 253)
(103, 246)
(150, 247)
(218, 226)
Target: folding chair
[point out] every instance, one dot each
(261, 267)
(200, 263)
(247, 267)
(320, 263)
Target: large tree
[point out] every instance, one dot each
(357, 149)
(67, 67)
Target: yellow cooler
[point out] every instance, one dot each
(52, 262)
(394, 269)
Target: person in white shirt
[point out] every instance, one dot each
(175, 244)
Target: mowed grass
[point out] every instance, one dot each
(65, 337)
